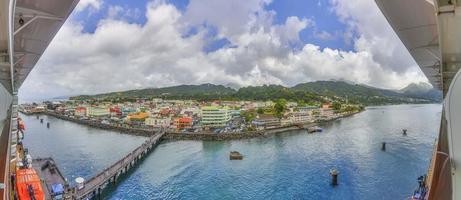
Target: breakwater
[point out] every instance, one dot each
(226, 136)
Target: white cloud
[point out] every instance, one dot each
(91, 4)
(121, 55)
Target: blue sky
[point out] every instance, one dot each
(319, 11)
(114, 45)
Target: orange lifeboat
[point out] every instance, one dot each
(28, 185)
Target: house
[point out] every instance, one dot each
(326, 105)
(80, 111)
(183, 123)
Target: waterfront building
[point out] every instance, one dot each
(286, 121)
(183, 123)
(214, 116)
(139, 116)
(96, 111)
(265, 121)
(80, 111)
(127, 110)
(38, 109)
(158, 122)
(300, 117)
(115, 111)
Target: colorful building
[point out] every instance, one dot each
(183, 122)
(139, 116)
(80, 111)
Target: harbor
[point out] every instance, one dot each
(301, 160)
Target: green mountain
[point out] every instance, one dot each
(312, 92)
(357, 93)
(175, 92)
(422, 90)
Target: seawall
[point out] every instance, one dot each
(204, 136)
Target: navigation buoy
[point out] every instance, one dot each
(383, 148)
(404, 131)
(334, 177)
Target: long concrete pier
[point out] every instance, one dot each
(93, 187)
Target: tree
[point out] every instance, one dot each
(260, 111)
(336, 106)
(279, 107)
(248, 115)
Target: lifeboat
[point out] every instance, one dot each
(28, 185)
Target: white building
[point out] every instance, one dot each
(158, 122)
(300, 117)
(97, 111)
(213, 116)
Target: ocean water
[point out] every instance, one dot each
(292, 165)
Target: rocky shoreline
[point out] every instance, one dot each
(191, 136)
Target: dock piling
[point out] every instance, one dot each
(334, 177)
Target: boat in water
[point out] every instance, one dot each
(314, 129)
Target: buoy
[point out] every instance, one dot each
(41, 121)
(48, 124)
(334, 177)
(384, 146)
(404, 131)
(37, 116)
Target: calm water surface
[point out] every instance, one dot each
(293, 165)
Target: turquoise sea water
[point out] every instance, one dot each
(293, 165)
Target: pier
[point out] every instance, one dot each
(94, 186)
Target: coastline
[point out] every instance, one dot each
(201, 136)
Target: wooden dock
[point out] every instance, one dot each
(94, 186)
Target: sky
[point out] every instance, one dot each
(114, 45)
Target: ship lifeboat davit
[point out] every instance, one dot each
(28, 185)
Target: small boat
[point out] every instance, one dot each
(235, 155)
(314, 129)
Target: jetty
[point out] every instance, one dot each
(92, 188)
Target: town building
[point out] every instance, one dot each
(265, 121)
(139, 116)
(155, 122)
(300, 117)
(214, 116)
(96, 111)
(80, 111)
(183, 123)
